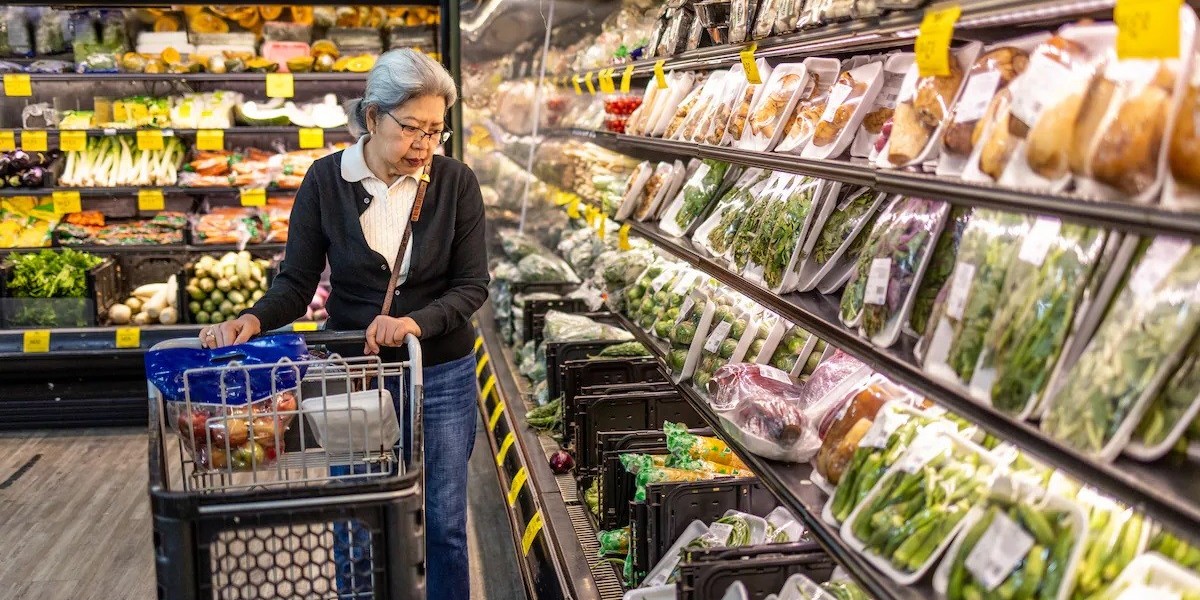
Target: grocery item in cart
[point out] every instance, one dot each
(923, 110)
(1133, 352)
(353, 422)
(845, 108)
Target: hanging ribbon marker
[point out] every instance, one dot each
(933, 41)
(659, 75)
(1147, 29)
(623, 237)
(749, 65)
(488, 386)
(627, 79)
(591, 87)
(578, 90)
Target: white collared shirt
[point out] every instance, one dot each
(388, 208)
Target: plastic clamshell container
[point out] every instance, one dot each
(1179, 194)
(952, 442)
(782, 519)
(811, 274)
(782, 90)
(965, 56)
(895, 69)
(755, 91)
(1154, 570)
(736, 591)
(658, 592)
(353, 422)
(636, 182)
(758, 526)
(679, 85)
(869, 74)
(735, 83)
(662, 571)
(709, 95)
(825, 70)
(1046, 500)
(799, 587)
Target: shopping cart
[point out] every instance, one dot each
(247, 502)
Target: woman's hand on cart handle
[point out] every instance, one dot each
(236, 331)
(389, 331)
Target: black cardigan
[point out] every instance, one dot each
(447, 280)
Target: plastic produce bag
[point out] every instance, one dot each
(1116, 534)
(614, 541)
(1172, 410)
(849, 220)
(538, 268)
(717, 233)
(746, 244)
(823, 390)
(167, 370)
(782, 232)
(227, 437)
(915, 510)
(566, 327)
(847, 421)
(961, 319)
(694, 197)
(941, 265)
(699, 447)
(732, 328)
(765, 412)
(782, 527)
(1134, 350)
(1029, 329)
(902, 263)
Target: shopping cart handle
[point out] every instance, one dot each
(325, 336)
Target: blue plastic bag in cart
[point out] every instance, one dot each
(165, 369)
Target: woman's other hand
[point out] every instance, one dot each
(389, 331)
(236, 331)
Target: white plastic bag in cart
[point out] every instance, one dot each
(358, 422)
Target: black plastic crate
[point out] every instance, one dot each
(558, 353)
(629, 412)
(580, 374)
(185, 275)
(140, 267)
(762, 569)
(617, 485)
(103, 290)
(671, 506)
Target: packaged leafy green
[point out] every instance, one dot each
(717, 232)
(851, 305)
(938, 272)
(1170, 413)
(757, 212)
(851, 211)
(1134, 351)
(783, 235)
(898, 267)
(695, 196)
(963, 314)
(1034, 314)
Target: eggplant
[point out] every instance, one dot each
(19, 160)
(33, 178)
(5, 162)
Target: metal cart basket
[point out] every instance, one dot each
(302, 494)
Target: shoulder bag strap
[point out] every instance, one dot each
(404, 241)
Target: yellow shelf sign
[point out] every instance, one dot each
(933, 41)
(749, 65)
(312, 137)
(210, 139)
(254, 197)
(149, 139)
(36, 341)
(67, 202)
(280, 85)
(34, 140)
(17, 84)
(129, 337)
(72, 141)
(151, 200)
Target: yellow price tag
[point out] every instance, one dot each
(627, 79)
(280, 85)
(34, 140)
(210, 139)
(129, 337)
(603, 232)
(254, 197)
(590, 86)
(518, 482)
(312, 137)
(495, 418)
(36, 340)
(67, 202)
(1147, 29)
(17, 84)
(150, 200)
(140, 112)
(482, 363)
(573, 208)
(72, 141)
(8, 141)
(149, 139)
(504, 446)
(623, 237)
(478, 343)
(531, 531)
(578, 90)
(750, 66)
(488, 386)
(659, 75)
(606, 82)
(933, 41)
(304, 326)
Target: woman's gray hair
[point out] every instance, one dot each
(400, 76)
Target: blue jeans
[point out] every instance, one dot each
(449, 428)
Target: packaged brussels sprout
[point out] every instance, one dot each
(715, 235)
(759, 209)
(897, 269)
(735, 323)
(961, 318)
(851, 210)
(671, 300)
(1029, 328)
(770, 332)
(941, 264)
(694, 198)
(792, 352)
(782, 234)
(1136, 348)
(642, 301)
(851, 306)
(687, 332)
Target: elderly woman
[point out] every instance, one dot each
(402, 230)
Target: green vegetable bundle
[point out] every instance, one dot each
(699, 191)
(682, 332)
(1166, 544)
(1037, 574)
(1167, 417)
(624, 350)
(1116, 535)
(614, 541)
(941, 264)
(989, 245)
(748, 231)
(1033, 317)
(548, 417)
(918, 504)
(845, 590)
(870, 461)
(787, 353)
(787, 232)
(591, 498)
(49, 274)
(849, 214)
(1146, 328)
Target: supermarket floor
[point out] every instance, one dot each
(75, 520)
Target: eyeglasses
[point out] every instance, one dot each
(411, 132)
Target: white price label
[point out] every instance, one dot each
(924, 448)
(1038, 87)
(976, 96)
(721, 532)
(837, 96)
(884, 426)
(1160, 259)
(877, 281)
(1038, 241)
(685, 310)
(718, 335)
(960, 288)
(684, 285)
(662, 280)
(892, 84)
(1001, 548)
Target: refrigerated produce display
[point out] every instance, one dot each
(822, 299)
